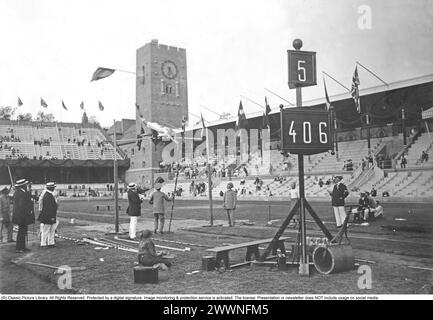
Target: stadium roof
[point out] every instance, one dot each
(321, 101)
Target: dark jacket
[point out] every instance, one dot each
(23, 213)
(134, 207)
(49, 209)
(339, 193)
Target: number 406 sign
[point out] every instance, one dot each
(302, 68)
(306, 131)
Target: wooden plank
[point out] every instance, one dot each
(244, 244)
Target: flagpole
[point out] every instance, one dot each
(253, 101)
(209, 177)
(116, 196)
(337, 81)
(219, 115)
(279, 97)
(120, 70)
(371, 72)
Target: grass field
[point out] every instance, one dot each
(393, 245)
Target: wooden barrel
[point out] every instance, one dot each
(333, 258)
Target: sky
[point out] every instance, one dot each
(50, 49)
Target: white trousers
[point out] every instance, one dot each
(48, 232)
(133, 227)
(340, 215)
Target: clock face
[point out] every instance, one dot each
(169, 69)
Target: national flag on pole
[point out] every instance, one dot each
(265, 123)
(102, 73)
(183, 125)
(82, 105)
(355, 90)
(43, 103)
(20, 103)
(328, 102)
(140, 137)
(101, 107)
(242, 121)
(63, 105)
(203, 127)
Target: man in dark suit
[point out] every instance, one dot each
(133, 210)
(48, 215)
(338, 194)
(23, 214)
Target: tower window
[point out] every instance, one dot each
(143, 79)
(177, 89)
(168, 89)
(162, 86)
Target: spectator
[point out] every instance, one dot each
(229, 204)
(424, 157)
(373, 192)
(403, 161)
(6, 214)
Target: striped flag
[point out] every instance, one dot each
(101, 107)
(82, 105)
(63, 105)
(242, 121)
(20, 103)
(43, 103)
(265, 123)
(355, 90)
(102, 73)
(203, 126)
(328, 102)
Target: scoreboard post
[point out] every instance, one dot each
(304, 131)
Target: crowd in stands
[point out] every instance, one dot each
(197, 189)
(424, 157)
(43, 142)
(10, 138)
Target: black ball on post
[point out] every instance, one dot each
(297, 44)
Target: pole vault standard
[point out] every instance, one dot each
(304, 131)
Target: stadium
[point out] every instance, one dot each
(281, 237)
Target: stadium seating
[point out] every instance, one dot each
(54, 141)
(423, 143)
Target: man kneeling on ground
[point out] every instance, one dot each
(368, 209)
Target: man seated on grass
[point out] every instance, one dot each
(147, 255)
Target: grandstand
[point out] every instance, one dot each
(75, 154)
(386, 145)
(64, 152)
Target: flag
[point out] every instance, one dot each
(20, 103)
(355, 90)
(203, 126)
(242, 121)
(102, 73)
(137, 107)
(63, 105)
(140, 137)
(82, 105)
(265, 123)
(43, 103)
(101, 107)
(328, 102)
(183, 126)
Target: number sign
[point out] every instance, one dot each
(306, 131)
(302, 68)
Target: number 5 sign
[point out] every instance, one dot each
(302, 68)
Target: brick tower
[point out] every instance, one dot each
(162, 97)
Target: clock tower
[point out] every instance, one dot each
(162, 97)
